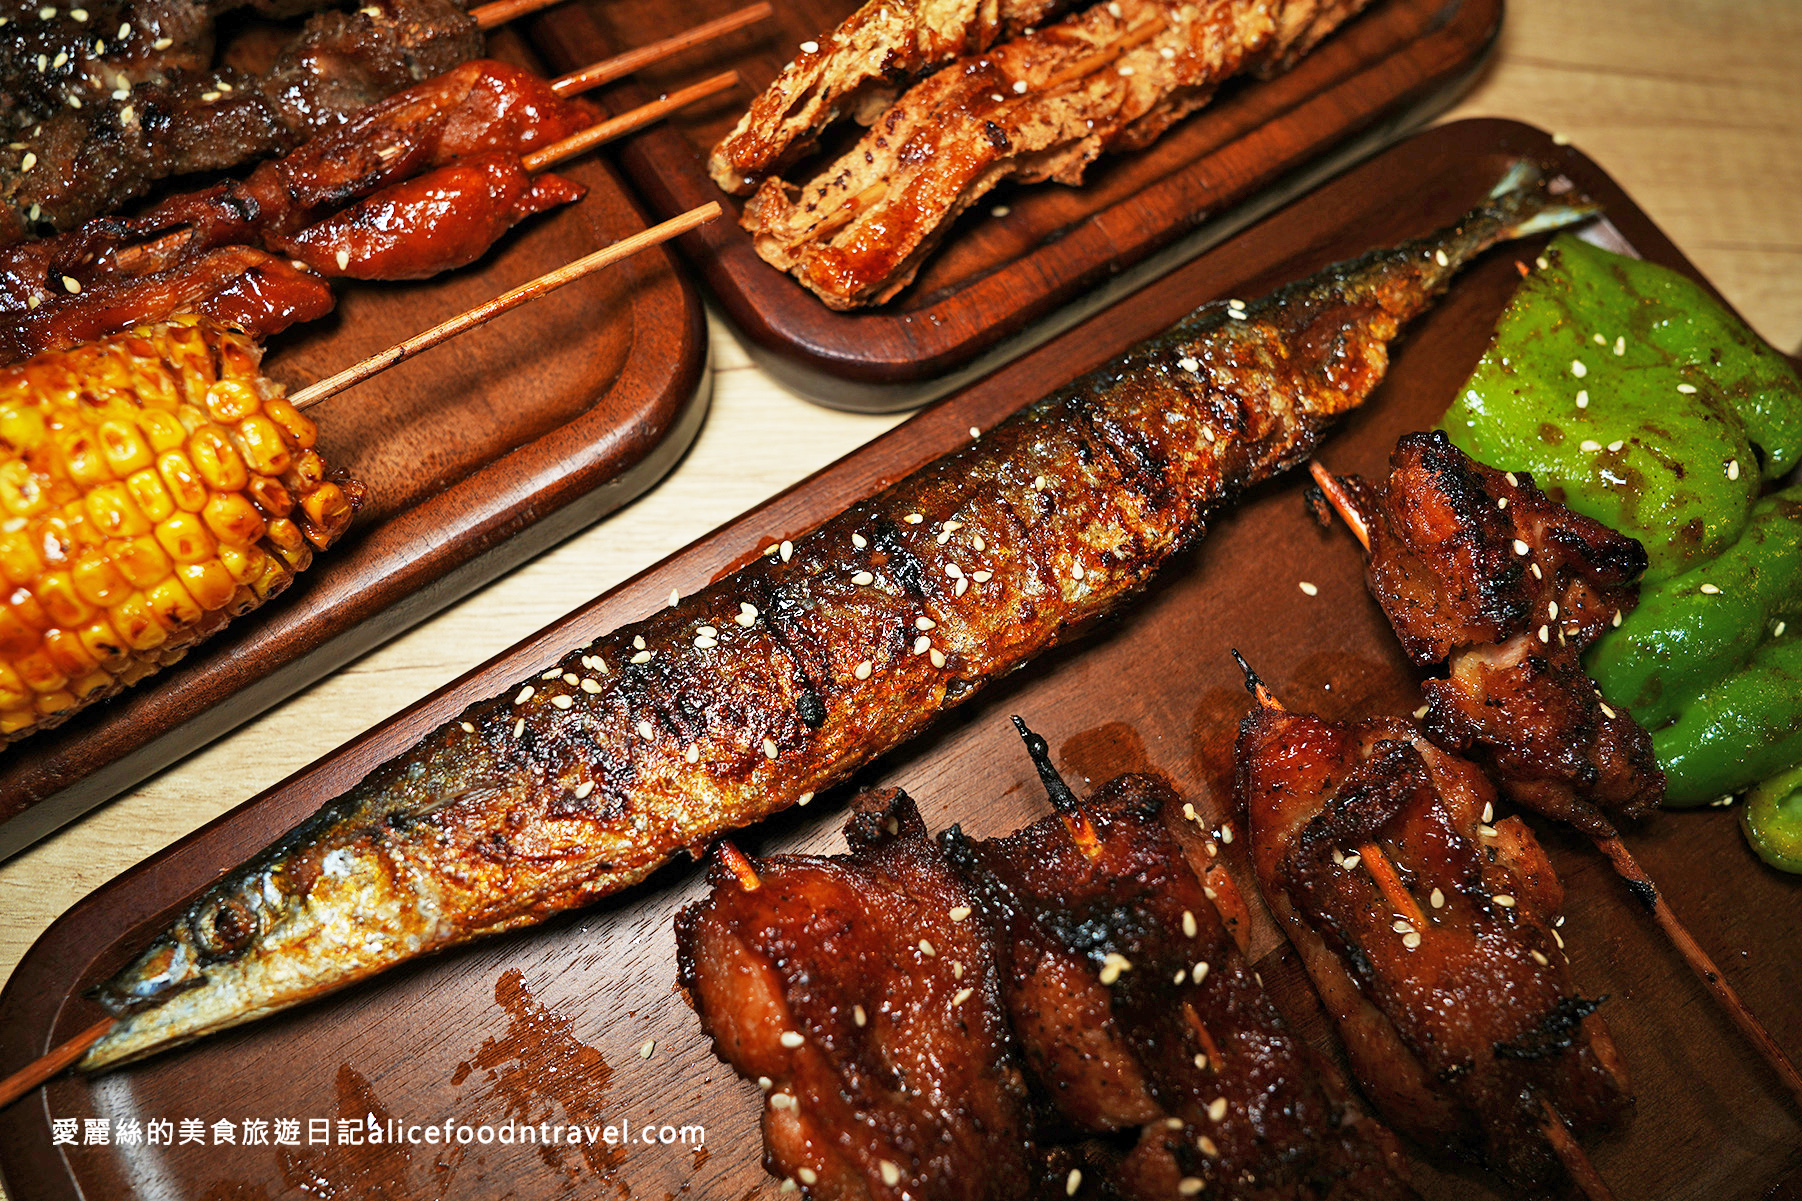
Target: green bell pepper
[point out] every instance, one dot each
(1696, 628)
(1738, 731)
(1632, 391)
(1772, 820)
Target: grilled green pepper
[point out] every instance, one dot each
(1639, 396)
(1696, 628)
(1772, 820)
(1738, 731)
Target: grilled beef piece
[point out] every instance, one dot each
(80, 162)
(1043, 106)
(1138, 1013)
(862, 996)
(1480, 569)
(1429, 933)
(856, 69)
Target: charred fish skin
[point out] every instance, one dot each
(782, 678)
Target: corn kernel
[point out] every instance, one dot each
(13, 692)
(125, 450)
(113, 512)
(217, 461)
(91, 683)
(299, 426)
(140, 560)
(208, 583)
(103, 642)
(162, 429)
(56, 591)
(49, 704)
(182, 480)
(233, 520)
(309, 471)
(66, 651)
(97, 580)
(185, 539)
(243, 564)
(16, 638)
(269, 496)
(19, 561)
(39, 672)
(22, 427)
(82, 457)
(265, 448)
(230, 401)
(137, 624)
(153, 499)
(173, 604)
(329, 511)
(21, 491)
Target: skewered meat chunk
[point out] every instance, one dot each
(156, 485)
(1137, 1012)
(1043, 106)
(1429, 934)
(1482, 569)
(83, 161)
(856, 69)
(788, 674)
(863, 997)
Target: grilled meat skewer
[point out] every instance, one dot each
(1137, 1012)
(783, 677)
(83, 161)
(864, 999)
(857, 69)
(1043, 106)
(1428, 932)
(1479, 569)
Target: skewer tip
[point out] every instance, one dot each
(739, 864)
(1062, 798)
(1255, 685)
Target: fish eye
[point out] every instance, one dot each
(223, 928)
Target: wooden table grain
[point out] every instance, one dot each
(1695, 106)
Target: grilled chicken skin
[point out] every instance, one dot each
(1137, 1013)
(1481, 570)
(861, 993)
(1429, 933)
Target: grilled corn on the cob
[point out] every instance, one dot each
(153, 485)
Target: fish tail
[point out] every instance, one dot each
(1521, 204)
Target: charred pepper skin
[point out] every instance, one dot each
(1772, 820)
(1691, 632)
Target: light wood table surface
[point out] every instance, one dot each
(1695, 106)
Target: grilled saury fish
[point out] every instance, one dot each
(781, 678)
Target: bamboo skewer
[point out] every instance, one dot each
(1627, 867)
(1564, 1144)
(51, 1062)
(1069, 809)
(739, 864)
(627, 122)
(499, 12)
(511, 299)
(626, 62)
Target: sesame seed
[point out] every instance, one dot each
(209, 97)
(1019, 87)
(1401, 925)
(1181, 975)
(1233, 302)
(1560, 139)
(786, 550)
(807, 1175)
(769, 748)
(1583, 398)
(1201, 1061)
(1226, 833)
(936, 657)
(1411, 939)
(1620, 345)
(1112, 964)
(954, 571)
(961, 995)
(1687, 389)
(922, 644)
(1113, 8)
(649, 1045)
(924, 623)
(1598, 339)
(1217, 1109)
(1539, 958)
(1709, 590)
(1200, 971)
(1038, 483)
(1501, 502)
(859, 541)
(1352, 861)
(1487, 831)
(1436, 899)
(977, 542)
(46, 13)
(562, 702)
(1776, 630)
(1521, 548)
(773, 549)
(1076, 571)
(642, 657)
(704, 643)
(1578, 369)
(1558, 938)
(1308, 589)
(1000, 210)
(1236, 314)
(1439, 257)
(646, 731)
(1615, 621)
(124, 32)
(926, 948)
(1545, 634)
(862, 670)
(914, 518)
(959, 912)
(525, 694)
(1189, 926)
(1126, 72)
(790, 1039)
(961, 587)
(570, 677)
(1513, 481)
(1606, 711)
(162, 43)
(810, 47)
(982, 577)
(1616, 444)
(997, 97)
(638, 641)
(1072, 1182)
(584, 788)
(765, 1083)
(863, 579)
(468, 727)
(957, 970)
(1534, 568)
(747, 613)
(858, 1015)
(28, 162)
(1732, 469)
(1189, 364)
(1207, 1147)
(782, 1101)
(1504, 900)
(1166, 52)
(1188, 1186)
(891, 1175)
(519, 727)
(1489, 806)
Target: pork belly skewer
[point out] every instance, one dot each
(1137, 1012)
(1429, 933)
(862, 996)
(785, 676)
(1042, 106)
(1447, 537)
(91, 161)
(856, 69)
(417, 227)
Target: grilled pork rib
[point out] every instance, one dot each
(785, 676)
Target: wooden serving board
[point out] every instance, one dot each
(996, 279)
(547, 1025)
(477, 456)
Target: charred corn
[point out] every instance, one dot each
(153, 485)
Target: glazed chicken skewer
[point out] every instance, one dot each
(1356, 503)
(786, 675)
(1454, 1004)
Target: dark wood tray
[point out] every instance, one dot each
(995, 279)
(546, 1025)
(478, 455)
